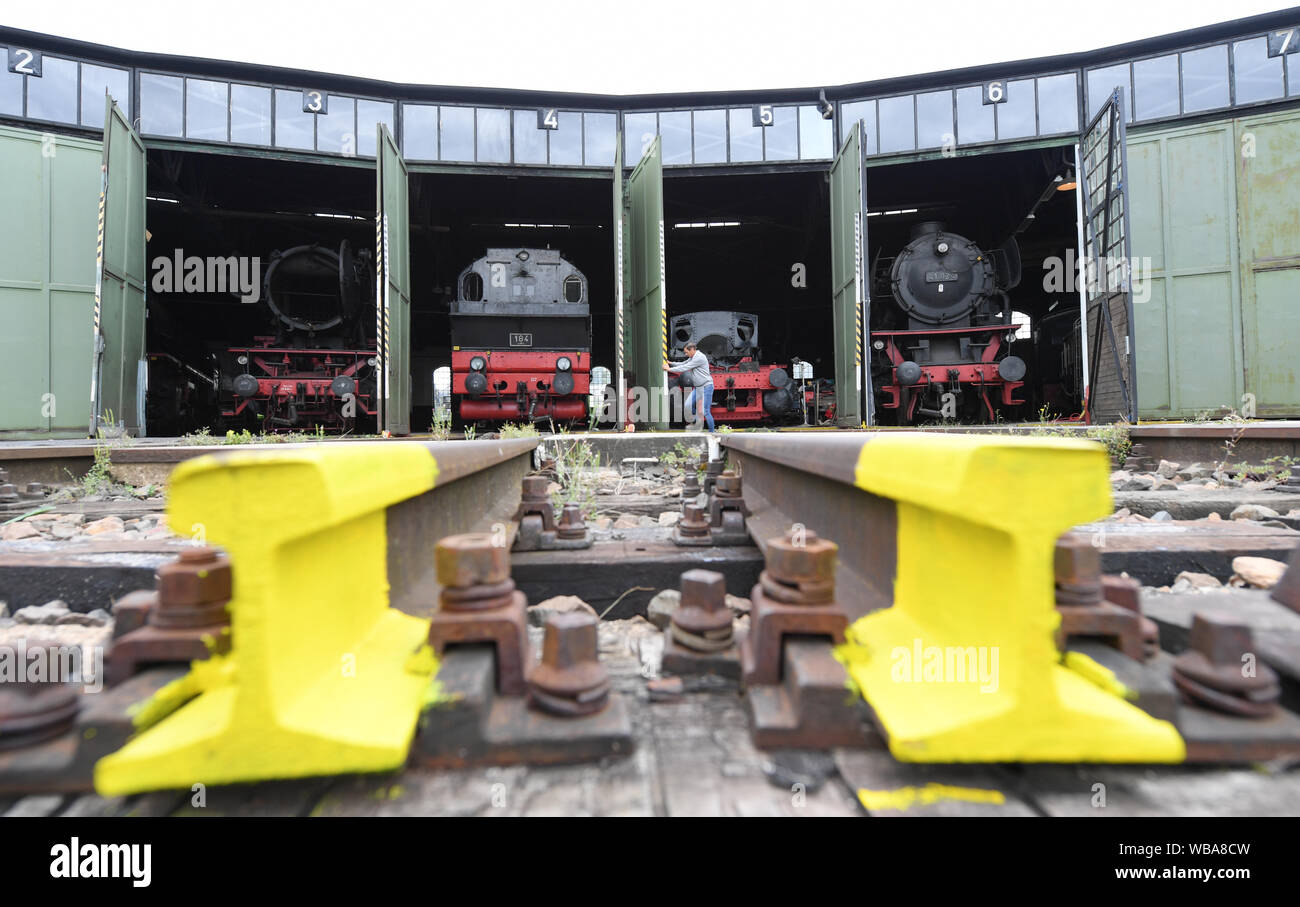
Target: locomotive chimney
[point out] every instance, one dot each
(928, 227)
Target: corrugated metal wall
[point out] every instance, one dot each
(49, 193)
(1215, 212)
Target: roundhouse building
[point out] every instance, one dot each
(1168, 167)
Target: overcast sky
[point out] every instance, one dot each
(621, 47)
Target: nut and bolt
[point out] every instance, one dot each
(691, 485)
(534, 489)
(33, 491)
(1221, 671)
(693, 524)
(33, 712)
(193, 590)
(571, 525)
(8, 493)
(728, 485)
(570, 681)
(702, 622)
(1126, 592)
(800, 568)
(1077, 563)
(473, 571)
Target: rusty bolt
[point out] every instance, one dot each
(35, 711)
(534, 488)
(1221, 638)
(801, 557)
(571, 524)
(691, 485)
(703, 620)
(200, 576)
(470, 559)
(715, 468)
(34, 490)
(8, 493)
(728, 485)
(570, 679)
(693, 524)
(1077, 561)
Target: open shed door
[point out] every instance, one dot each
(853, 398)
(118, 367)
(1108, 330)
(645, 300)
(393, 285)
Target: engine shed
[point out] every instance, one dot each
(1145, 194)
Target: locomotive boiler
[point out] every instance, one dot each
(942, 328)
(316, 369)
(521, 338)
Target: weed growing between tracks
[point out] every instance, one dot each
(576, 471)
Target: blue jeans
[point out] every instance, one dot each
(704, 394)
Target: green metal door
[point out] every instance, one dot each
(646, 293)
(1187, 312)
(118, 369)
(1268, 198)
(1103, 183)
(393, 285)
(849, 302)
(47, 281)
(619, 412)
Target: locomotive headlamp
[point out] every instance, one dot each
(478, 363)
(242, 360)
(372, 362)
(563, 363)
(877, 344)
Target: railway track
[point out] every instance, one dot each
(372, 585)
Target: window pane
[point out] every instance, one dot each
(456, 134)
(1205, 78)
(638, 132)
(530, 142)
(1292, 77)
(816, 138)
(369, 115)
(54, 95)
(1058, 104)
(1015, 116)
(566, 142)
(95, 80)
(598, 131)
(859, 110)
(160, 105)
(781, 139)
(493, 136)
(1155, 88)
(974, 117)
(675, 130)
(11, 89)
(1101, 82)
(420, 132)
(205, 110)
(250, 115)
(293, 127)
(710, 136)
(897, 125)
(746, 138)
(336, 131)
(1259, 76)
(934, 118)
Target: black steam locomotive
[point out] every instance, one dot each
(941, 329)
(521, 338)
(317, 368)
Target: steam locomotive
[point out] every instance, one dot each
(318, 367)
(745, 390)
(521, 338)
(942, 349)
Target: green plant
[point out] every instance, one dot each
(576, 472)
(470, 432)
(1116, 439)
(526, 430)
(201, 437)
(1279, 468)
(98, 479)
(441, 427)
(679, 457)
